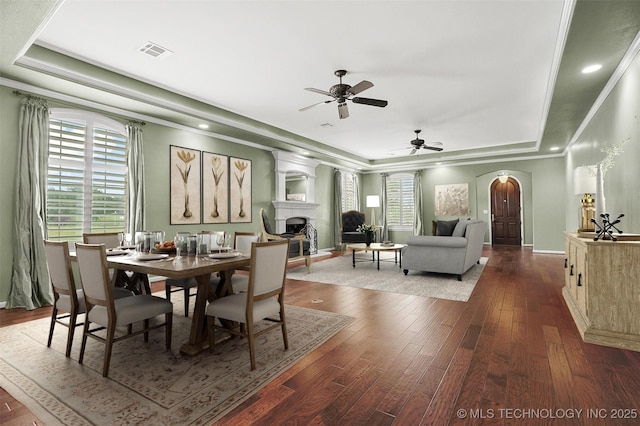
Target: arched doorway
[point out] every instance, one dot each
(505, 213)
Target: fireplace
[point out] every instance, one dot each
(295, 225)
(303, 168)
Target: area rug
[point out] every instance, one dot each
(148, 385)
(340, 271)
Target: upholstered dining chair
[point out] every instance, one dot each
(68, 301)
(109, 239)
(299, 247)
(242, 243)
(264, 298)
(171, 285)
(109, 313)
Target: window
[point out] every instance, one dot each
(400, 202)
(87, 178)
(348, 192)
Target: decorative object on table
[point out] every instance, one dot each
(185, 185)
(240, 210)
(452, 200)
(605, 230)
(373, 201)
(602, 168)
(584, 183)
(387, 244)
(215, 188)
(369, 232)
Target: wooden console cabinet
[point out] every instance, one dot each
(602, 290)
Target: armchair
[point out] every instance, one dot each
(299, 245)
(350, 222)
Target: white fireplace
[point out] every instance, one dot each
(305, 169)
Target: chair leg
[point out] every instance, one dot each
(186, 301)
(168, 327)
(307, 261)
(72, 328)
(167, 291)
(252, 350)
(52, 326)
(111, 330)
(146, 332)
(85, 330)
(283, 325)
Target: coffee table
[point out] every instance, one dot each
(376, 248)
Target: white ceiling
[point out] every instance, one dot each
(470, 74)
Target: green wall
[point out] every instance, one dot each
(541, 180)
(615, 120)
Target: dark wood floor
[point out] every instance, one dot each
(510, 355)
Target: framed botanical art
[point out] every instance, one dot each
(452, 200)
(240, 190)
(215, 188)
(185, 185)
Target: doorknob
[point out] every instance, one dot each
(493, 217)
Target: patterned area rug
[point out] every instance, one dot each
(340, 271)
(148, 385)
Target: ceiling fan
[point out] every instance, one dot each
(343, 92)
(418, 143)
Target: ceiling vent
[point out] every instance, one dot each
(152, 49)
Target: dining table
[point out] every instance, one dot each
(198, 267)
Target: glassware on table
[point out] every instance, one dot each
(180, 241)
(220, 242)
(227, 242)
(139, 241)
(127, 238)
(157, 238)
(203, 244)
(120, 239)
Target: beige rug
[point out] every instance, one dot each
(340, 271)
(148, 385)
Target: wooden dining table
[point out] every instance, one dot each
(197, 267)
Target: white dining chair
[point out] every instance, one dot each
(104, 310)
(242, 243)
(264, 298)
(68, 301)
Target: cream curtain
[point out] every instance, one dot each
(383, 207)
(337, 207)
(356, 192)
(30, 286)
(418, 225)
(135, 165)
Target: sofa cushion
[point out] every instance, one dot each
(446, 227)
(460, 228)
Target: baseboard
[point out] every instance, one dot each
(3, 305)
(548, 251)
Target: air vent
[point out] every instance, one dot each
(152, 49)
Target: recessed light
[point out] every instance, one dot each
(305, 153)
(554, 148)
(591, 68)
(203, 126)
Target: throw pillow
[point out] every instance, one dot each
(446, 227)
(460, 228)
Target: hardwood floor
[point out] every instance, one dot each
(510, 355)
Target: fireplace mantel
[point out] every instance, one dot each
(287, 162)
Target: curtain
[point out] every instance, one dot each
(383, 207)
(356, 192)
(337, 207)
(135, 165)
(418, 226)
(30, 286)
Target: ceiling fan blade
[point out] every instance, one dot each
(433, 148)
(322, 92)
(368, 101)
(311, 106)
(413, 151)
(343, 111)
(360, 87)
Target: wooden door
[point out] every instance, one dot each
(505, 212)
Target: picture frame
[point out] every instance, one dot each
(452, 200)
(185, 185)
(215, 188)
(240, 207)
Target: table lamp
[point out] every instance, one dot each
(584, 183)
(373, 201)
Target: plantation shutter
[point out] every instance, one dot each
(400, 202)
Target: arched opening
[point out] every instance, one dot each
(506, 221)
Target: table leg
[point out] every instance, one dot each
(378, 260)
(198, 334)
(399, 252)
(353, 257)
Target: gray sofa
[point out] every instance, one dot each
(454, 254)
